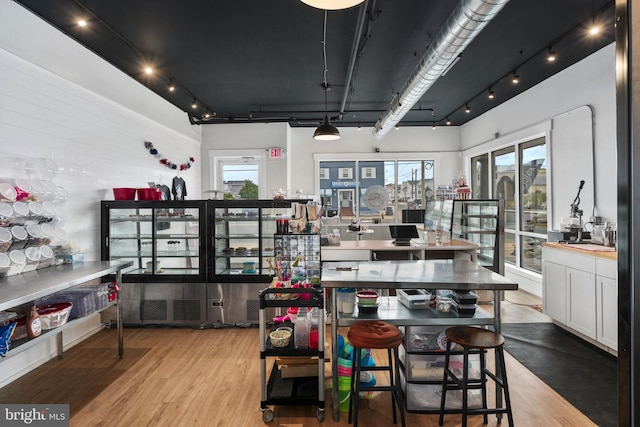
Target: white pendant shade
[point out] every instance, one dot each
(332, 4)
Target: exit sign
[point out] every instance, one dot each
(276, 152)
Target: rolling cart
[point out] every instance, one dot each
(277, 390)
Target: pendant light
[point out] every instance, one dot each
(332, 4)
(326, 131)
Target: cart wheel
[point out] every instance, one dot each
(320, 415)
(267, 415)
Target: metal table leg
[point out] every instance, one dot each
(334, 354)
(497, 325)
(119, 326)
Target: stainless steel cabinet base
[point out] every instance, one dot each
(164, 304)
(234, 304)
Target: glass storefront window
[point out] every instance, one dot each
(355, 189)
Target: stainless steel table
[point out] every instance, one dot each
(27, 287)
(419, 274)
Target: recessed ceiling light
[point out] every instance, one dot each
(148, 70)
(594, 30)
(82, 23)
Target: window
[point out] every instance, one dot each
(239, 178)
(381, 191)
(368, 173)
(345, 173)
(518, 176)
(323, 173)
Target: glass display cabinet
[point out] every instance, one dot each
(481, 222)
(243, 239)
(162, 239)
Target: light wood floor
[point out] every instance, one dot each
(186, 377)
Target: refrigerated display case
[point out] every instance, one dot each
(242, 238)
(161, 238)
(481, 222)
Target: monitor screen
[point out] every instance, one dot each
(404, 232)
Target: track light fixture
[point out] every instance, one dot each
(551, 55)
(467, 109)
(359, 127)
(515, 78)
(194, 104)
(433, 126)
(448, 122)
(397, 127)
(490, 95)
(170, 86)
(326, 131)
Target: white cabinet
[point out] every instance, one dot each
(580, 291)
(581, 301)
(554, 291)
(607, 302)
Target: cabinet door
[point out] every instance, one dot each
(581, 308)
(555, 291)
(607, 312)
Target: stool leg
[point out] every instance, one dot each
(445, 379)
(505, 384)
(393, 397)
(483, 380)
(465, 384)
(355, 396)
(397, 387)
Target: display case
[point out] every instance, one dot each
(162, 238)
(481, 222)
(243, 239)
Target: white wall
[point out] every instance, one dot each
(61, 102)
(586, 88)
(590, 82)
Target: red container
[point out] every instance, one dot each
(124, 193)
(149, 194)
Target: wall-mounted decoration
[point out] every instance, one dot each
(163, 160)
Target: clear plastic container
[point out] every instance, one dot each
(301, 330)
(19, 237)
(18, 261)
(346, 300)
(33, 259)
(444, 304)
(5, 264)
(5, 239)
(46, 257)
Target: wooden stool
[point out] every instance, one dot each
(375, 335)
(472, 338)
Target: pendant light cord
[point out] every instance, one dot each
(325, 85)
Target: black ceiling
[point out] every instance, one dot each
(262, 61)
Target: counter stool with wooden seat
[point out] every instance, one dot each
(375, 335)
(474, 339)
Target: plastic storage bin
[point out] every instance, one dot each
(426, 397)
(465, 298)
(430, 367)
(425, 338)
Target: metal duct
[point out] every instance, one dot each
(466, 21)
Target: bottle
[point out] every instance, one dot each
(609, 235)
(313, 328)
(34, 325)
(301, 330)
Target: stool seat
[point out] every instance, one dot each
(374, 334)
(471, 337)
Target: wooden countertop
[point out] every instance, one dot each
(588, 249)
(387, 245)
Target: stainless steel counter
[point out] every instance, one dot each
(27, 287)
(417, 274)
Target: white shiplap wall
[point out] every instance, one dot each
(59, 101)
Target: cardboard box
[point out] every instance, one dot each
(294, 371)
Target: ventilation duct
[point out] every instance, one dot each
(466, 22)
